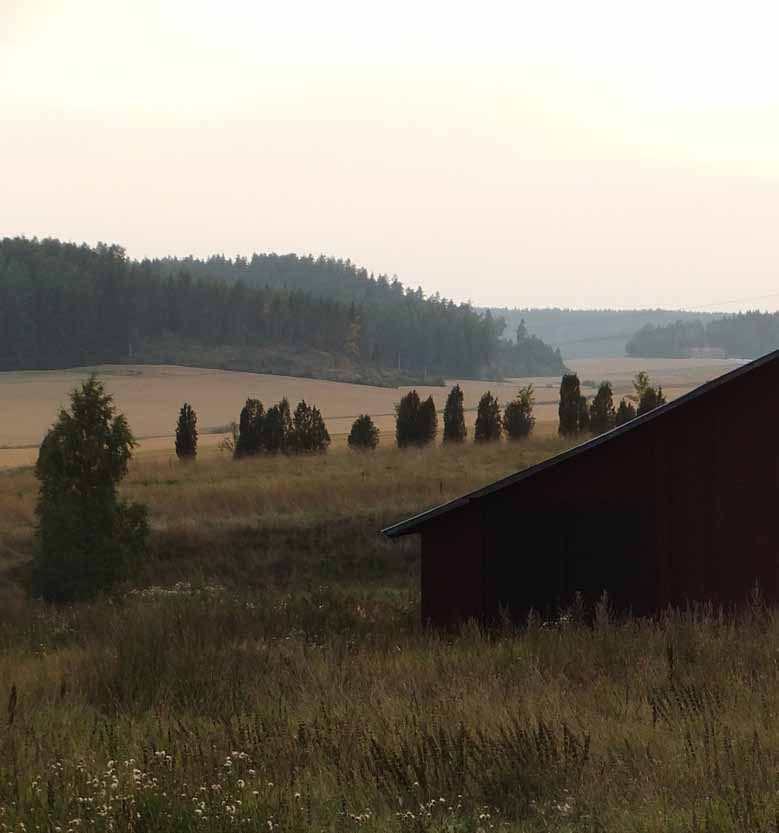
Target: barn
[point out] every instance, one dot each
(676, 506)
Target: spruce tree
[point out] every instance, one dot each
(570, 404)
(186, 433)
(87, 539)
(602, 413)
(625, 412)
(364, 435)
(489, 425)
(518, 419)
(454, 417)
(309, 432)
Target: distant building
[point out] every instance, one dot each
(707, 353)
(676, 506)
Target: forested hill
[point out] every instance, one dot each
(743, 335)
(581, 333)
(64, 305)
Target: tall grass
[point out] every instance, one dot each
(269, 672)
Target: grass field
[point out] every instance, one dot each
(152, 395)
(267, 670)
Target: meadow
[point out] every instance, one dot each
(268, 670)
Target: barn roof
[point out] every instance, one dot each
(412, 524)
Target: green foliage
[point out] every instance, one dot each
(88, 540)
(625, 412)
(364, 435)
(648, 396)
(416, 422)
(584, 414)
(454, 417)
(250, 429)
(518, 419)
(186, 433)
(569, 409)
(309, 432)
(489, 424)
(277, 429)
(602, 414)
(63, 305)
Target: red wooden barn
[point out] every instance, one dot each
(675, 506)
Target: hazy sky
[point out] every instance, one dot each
(525, 153)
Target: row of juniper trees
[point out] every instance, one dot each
(279, 430)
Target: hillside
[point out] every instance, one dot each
(63, 305)
(592, 333)
(744, 336)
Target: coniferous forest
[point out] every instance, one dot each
(65, 305)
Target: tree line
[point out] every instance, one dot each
(64, 305)
(744, 335)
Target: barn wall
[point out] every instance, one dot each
(678, 509)
(452, 590)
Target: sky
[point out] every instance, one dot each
(600, 154)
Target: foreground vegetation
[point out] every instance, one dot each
(267, 670)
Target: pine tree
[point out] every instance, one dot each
(518, 419)
(570, 404)
(454, 417)
(186, 433)
(488, 419)
(625, 412)
(364, 435)
(309, 432)
(87, 539)
(602, 414)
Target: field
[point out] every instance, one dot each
(152, 395)
(267, 670)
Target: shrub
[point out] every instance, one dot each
(569, 409)
(87, 539)
(250, 429)
(518, 419)
(186, 433)
(625, 412)
(416, 422)
(602, 413)
(364, 435)
(489, 425)
(309, 432)
(454, 417)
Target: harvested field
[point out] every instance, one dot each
(151, 395)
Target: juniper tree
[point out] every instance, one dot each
(650, 399)
(488, 419)
(570, 404)
(454, 417)
(250, 429)
(584, 414)
(309, 432)
(625, 412)
(186, 433)
(407, 419)
(87, 539)
(364, 435)
(428, 421)
(277, 429)
(602, 413)
(518, 419)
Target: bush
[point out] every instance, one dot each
(569, 409)
(416, 422)
(454, 417)
(625, 412)
(309, 432)
(518, 419)
(87, 539)
(602, 414)
(186, 433)
(489, 425)
(364, 435)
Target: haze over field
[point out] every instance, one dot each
(557, 154)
